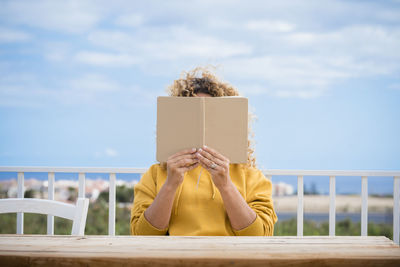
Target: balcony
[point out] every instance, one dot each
(331, 175)
(332, 249)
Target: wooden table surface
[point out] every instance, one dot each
(33, 250)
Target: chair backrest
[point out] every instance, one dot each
(77, 213)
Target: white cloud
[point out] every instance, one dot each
(289, 76)
(269, 26)
(115, 40)
(92, 83)
(394, 86)
(301, 38)
(260, 26)
(189, 44)
(303, 54)
(389, 15)
(20, 90)
(110, 152)
(130, 20)
(287, 61)
(90, 89)
(72, 16)
(309, 64)
(169, 44)
(105, 59)
(13, 36)
(27, 90)
(57, 51)
(358, 41)
(302, 93)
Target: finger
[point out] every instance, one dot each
(191, 167)
(184, 162)
(186, 156)
(206, 163)
(183, 152)
(215, 153)
(210, 157)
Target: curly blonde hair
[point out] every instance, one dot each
(202, 80)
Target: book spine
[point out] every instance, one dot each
(202, 121)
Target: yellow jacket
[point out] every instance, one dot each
(199, 210)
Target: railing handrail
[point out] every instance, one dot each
(72, 169)
(112, 171)
(331, 172)
(267, 172)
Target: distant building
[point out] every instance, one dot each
(64, 190)
(282, 189)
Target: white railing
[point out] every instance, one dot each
(268, 173)
(81, 188)
(332, 196)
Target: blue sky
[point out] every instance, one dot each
(79, 79)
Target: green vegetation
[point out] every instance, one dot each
(29, 193)
(343, 228)
(123, 195)
(97, 224)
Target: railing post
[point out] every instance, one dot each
(396, 209)
(50, 192)
(364, 206)
(111, 205)
(82, 185)
(20, 215)
(332, 205)
(300, 205)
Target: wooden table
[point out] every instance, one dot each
(34, 250)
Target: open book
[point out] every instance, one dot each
(191, 122)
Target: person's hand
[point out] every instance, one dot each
(180, 163)
(216, 164)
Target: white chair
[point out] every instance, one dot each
(77, 213)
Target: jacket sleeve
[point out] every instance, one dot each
(144, 194)
(259, 198)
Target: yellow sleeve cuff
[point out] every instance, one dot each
(144, 227)
(256, 228)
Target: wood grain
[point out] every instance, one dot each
(32, 250)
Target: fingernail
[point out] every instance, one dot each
(200, 150)
(194, 149)
(205, 146)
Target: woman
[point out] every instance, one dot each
(180, 198)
